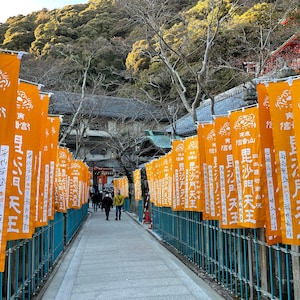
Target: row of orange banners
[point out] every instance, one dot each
(241, 169)
(121, 184)
(37, 177)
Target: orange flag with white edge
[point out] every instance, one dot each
(52, 134)
(137, 184)
(122, 185)
(166, 180)
(280, 99)
(178, 172)
(9, 74)
(62, 179)
(43, 168)
(247, 155)
(273, 222)
(295, 92)
(204, 180)
(76, 181)
(228, 193)
(213, 189)
(192, 174)
(158, 182)
(23, 173)
(150, 179)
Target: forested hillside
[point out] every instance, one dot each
(160, 51)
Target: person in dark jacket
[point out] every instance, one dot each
(96, 200)
(107, 204)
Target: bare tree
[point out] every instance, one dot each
(189, 43)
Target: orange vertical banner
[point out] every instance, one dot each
(137, 184)
(76, 183)
(62, 179)
(9, 74)
(23, 173)
(52, 134)
(212, 190)
(246, 149)
(204, 180)
(166, 180)
(228, 194)
(192, 174)
(43, 171)
(288, 175)
(150, 179)
(295, 92)
(178, 175)
(158, 182)
(122, 185)
(273, 223)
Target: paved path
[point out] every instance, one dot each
(113, 260)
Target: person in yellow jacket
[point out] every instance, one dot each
(118, 203)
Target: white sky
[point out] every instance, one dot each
(13, 8)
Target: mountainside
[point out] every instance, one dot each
(123, 48)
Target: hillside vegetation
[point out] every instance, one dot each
(159, 51)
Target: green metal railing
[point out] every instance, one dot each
(30, 261)
(239, 260)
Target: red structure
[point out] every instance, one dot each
(287, 55)
(101, 174)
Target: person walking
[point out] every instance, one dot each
(118, 203)
(96, 200)
(107, 203)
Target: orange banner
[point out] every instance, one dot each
(43, 173)
(295, 92)
(166, 180)
(157, 182)
(24, 156)
(62, 179)
(192, 171)
(228, 193)
(52, 134)
(273, 230)
(9, 75)
(178, 175)
(137, 184)
(76, 172)
(150, 179)
(204, 181)
(249, 173)
(122, 185)
(288, 176)
(212, 190)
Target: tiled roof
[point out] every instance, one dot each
(103, 106)
(224, 103)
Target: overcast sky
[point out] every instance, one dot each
(13, 8)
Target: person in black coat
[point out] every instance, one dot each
(107, 203)
(96, 198)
